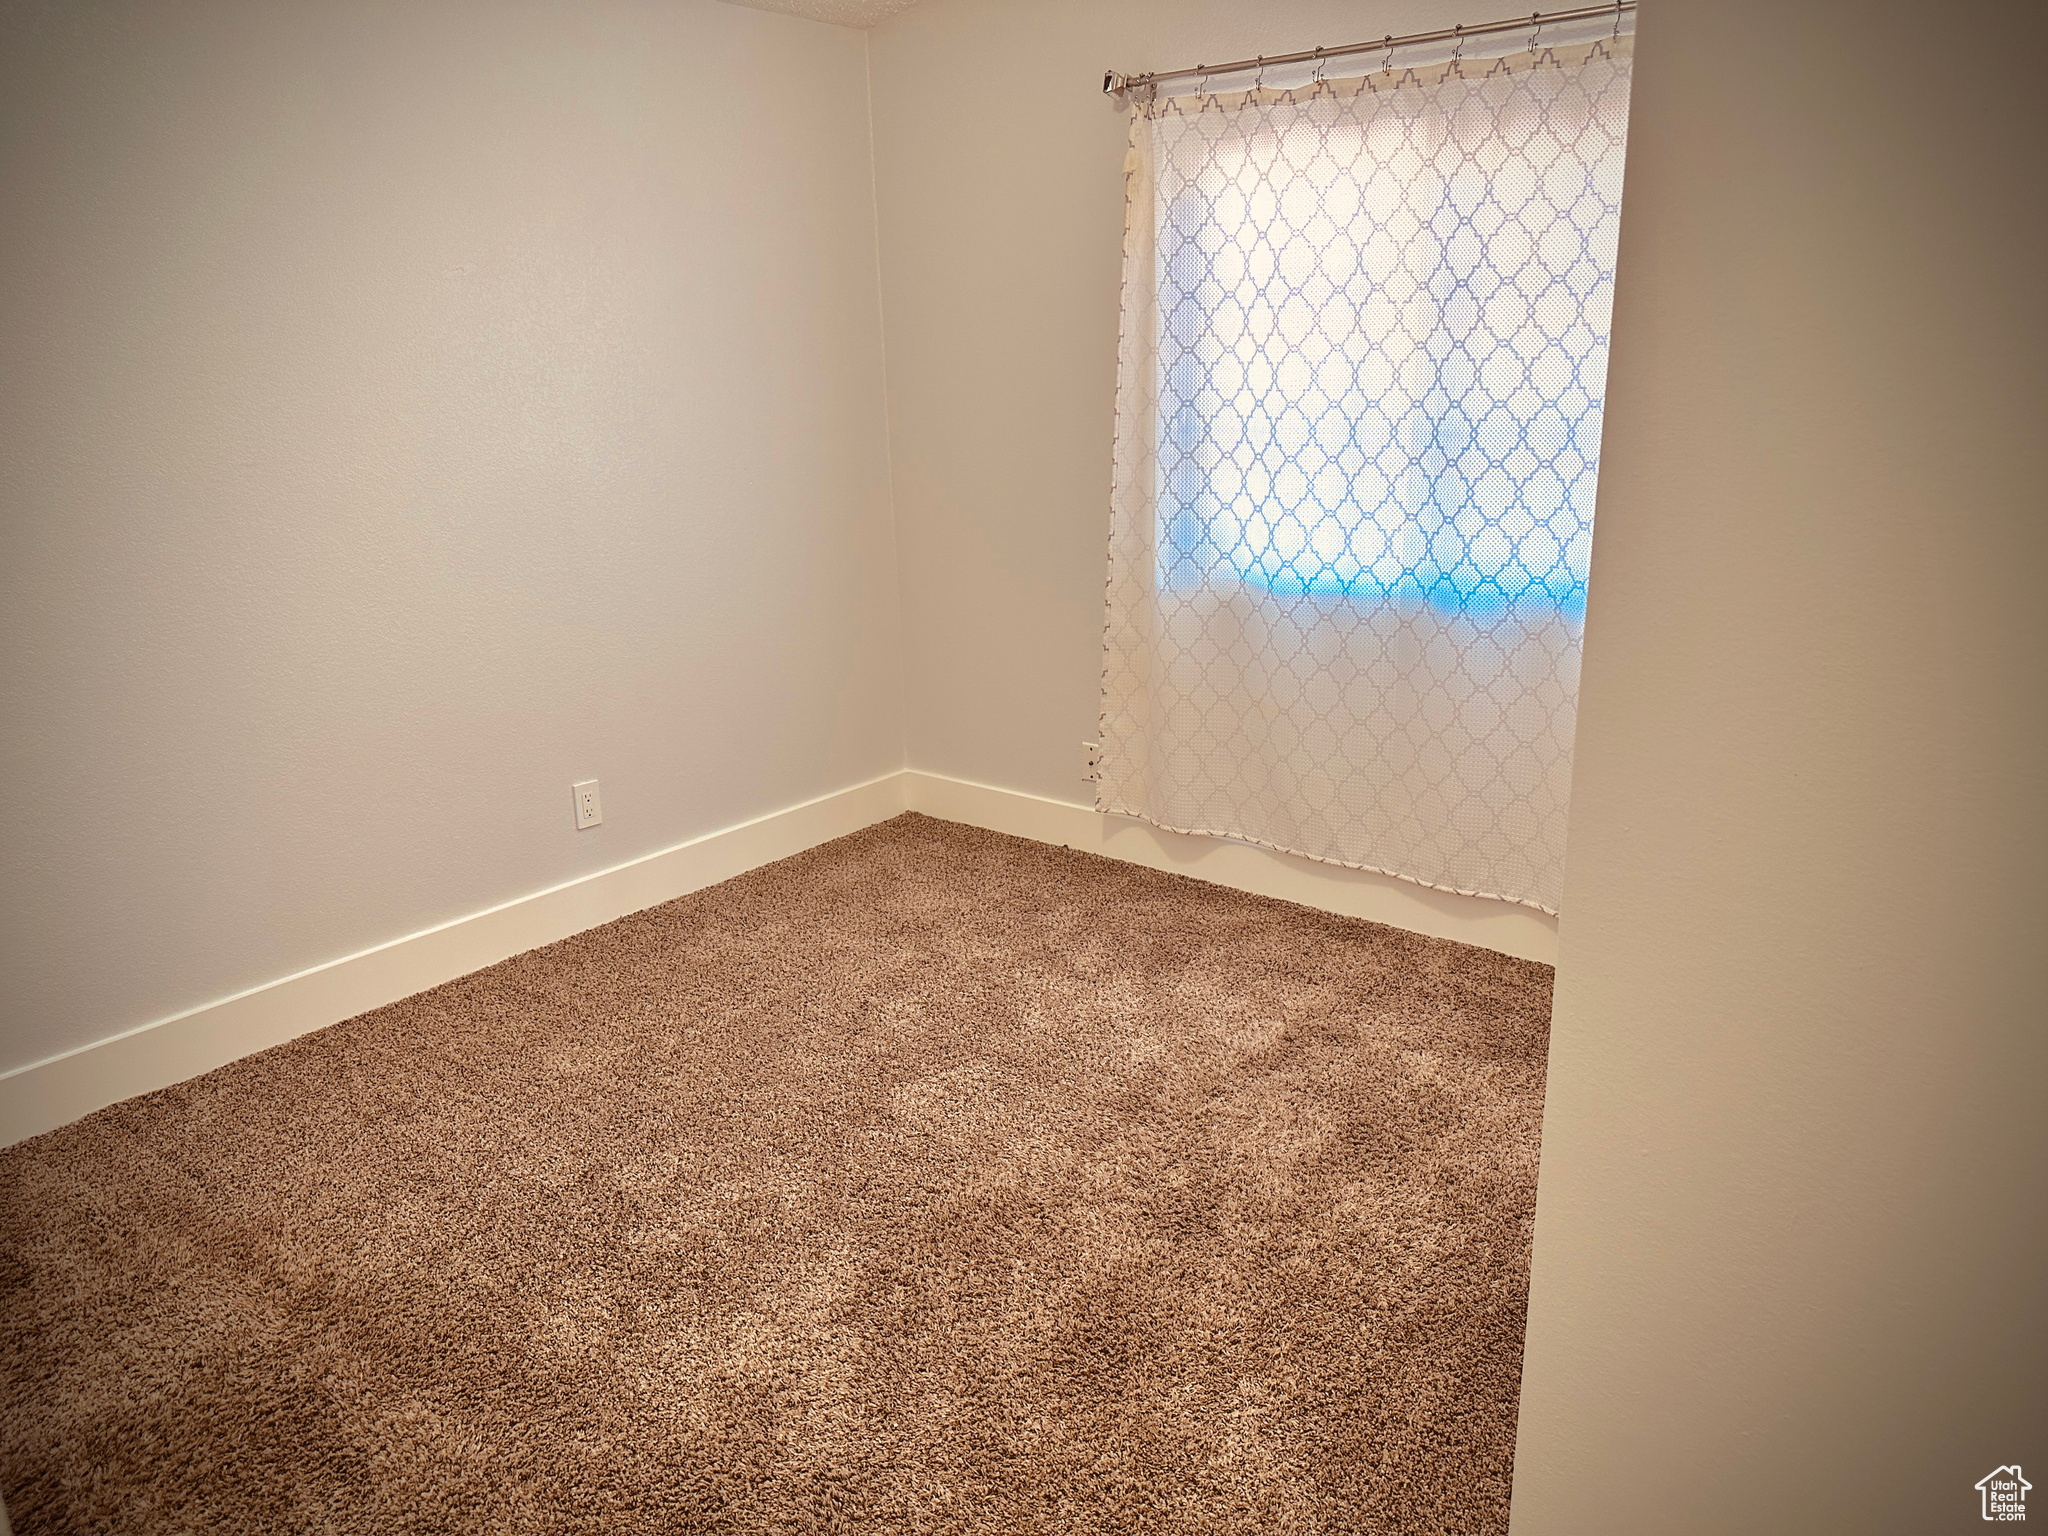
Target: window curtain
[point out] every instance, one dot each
(1360, 379)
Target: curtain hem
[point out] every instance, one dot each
(1319, 858)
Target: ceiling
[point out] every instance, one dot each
(841, 13)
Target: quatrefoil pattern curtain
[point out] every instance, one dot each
(1361, 373)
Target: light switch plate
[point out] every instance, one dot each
(589, 810)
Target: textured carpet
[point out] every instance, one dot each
(928, 1181)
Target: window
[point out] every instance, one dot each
(1384, 379)
(1363, 370)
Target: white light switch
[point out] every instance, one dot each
(589, 812)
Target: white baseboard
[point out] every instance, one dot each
(46, 1094)
(1499, 925)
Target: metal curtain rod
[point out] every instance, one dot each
(1113, 82)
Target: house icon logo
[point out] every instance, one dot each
(2005, 1494)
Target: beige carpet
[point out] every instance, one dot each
(929, 1181)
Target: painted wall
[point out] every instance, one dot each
(1790, 1268)
(999, 173)
(407, 410)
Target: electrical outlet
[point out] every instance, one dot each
(1091, 761)
(589, 811)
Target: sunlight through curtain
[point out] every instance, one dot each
(1362, 364)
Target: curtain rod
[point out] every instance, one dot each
(1114, 83)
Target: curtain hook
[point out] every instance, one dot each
(1458, 51)
(1259, 75)
(1535, 30)
(1315, 76)
(1616, 36)
(1387, 63)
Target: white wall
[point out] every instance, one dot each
(999, 169)
(1790, 1269)
(407, 410)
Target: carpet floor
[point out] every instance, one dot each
(931, 1180)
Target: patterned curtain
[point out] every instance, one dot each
(1362, 364)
